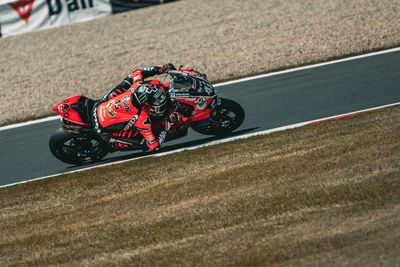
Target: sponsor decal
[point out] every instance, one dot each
(201, 103)
(148, 69)
(162, 137)
(179, 95)
(102, 114)
(148, 88)
(142, 98)
(23, 9)
(111, 113)
(131, 122)
(125, 102)
(96, 122)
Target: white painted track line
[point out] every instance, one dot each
(245, 136)
(21, 124)
(12, 126)
(309, 66)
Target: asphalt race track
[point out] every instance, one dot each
(269, 102)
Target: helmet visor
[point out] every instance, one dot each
(156, 110)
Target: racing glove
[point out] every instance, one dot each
(162, 137)
(156, 144)
(174, 117)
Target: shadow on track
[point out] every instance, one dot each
(166, 148)
(206, 140)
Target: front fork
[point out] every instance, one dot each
(217, 102)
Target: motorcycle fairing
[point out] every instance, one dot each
(67, 111)
(201, 106)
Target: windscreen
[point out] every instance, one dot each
(192, 85)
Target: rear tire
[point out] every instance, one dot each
(228, 116)
(76, 149)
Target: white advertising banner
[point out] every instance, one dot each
(22, 16)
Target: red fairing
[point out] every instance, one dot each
(67, 112)
(200, 105)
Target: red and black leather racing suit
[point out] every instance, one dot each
(120, 111)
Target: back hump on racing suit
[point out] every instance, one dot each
(114, 114)
(123, 117)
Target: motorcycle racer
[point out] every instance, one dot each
(136, 104)
(138, 118)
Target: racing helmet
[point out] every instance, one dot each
(153, 99)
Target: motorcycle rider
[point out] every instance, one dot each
(148, 104)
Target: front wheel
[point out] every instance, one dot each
(226, 118)
(75, 148)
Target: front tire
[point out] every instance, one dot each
(226, 118)
(75, 148)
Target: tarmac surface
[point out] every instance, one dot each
(269, 102)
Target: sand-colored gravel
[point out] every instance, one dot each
(225, 38)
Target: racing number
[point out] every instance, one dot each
(118, 104)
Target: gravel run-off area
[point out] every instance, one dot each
(225, 39)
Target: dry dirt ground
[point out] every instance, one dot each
(322, 195)
(224, 38)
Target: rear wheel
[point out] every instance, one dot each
(76, 149)
(226, 118)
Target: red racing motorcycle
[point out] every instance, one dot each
(76, 142)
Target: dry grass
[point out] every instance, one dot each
(324, 195)
(225, 38)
